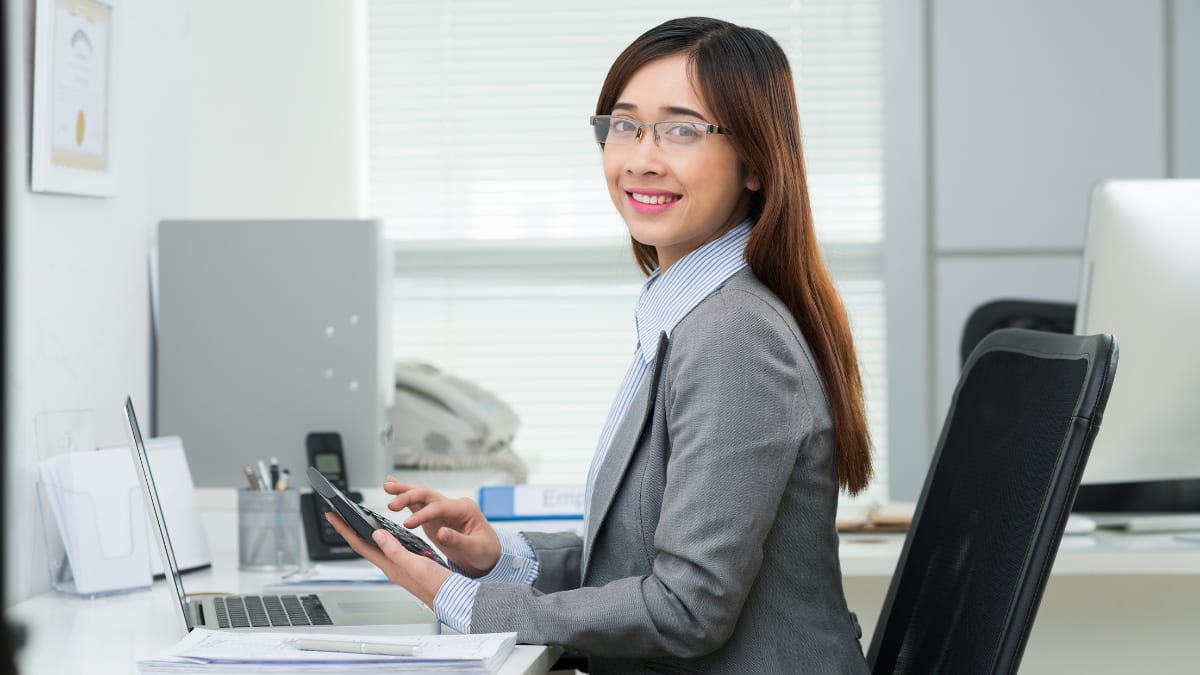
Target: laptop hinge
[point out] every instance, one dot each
(196, 614)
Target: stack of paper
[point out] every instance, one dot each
(336, 574)
(96, 505)
(207, 651)
(875, 517)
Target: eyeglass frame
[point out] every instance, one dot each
(708, 128)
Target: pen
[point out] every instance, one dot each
(355, 647)
(282, 483)
(251, 477)
(264, 477)
(274, 472)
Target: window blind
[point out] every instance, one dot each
(512, 266)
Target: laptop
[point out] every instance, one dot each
(271, 611)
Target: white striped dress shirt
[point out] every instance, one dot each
(664, 301)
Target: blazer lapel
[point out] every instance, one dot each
(620, 451)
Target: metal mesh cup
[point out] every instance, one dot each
(268, 530)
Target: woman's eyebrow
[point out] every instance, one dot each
(667, 109)
(680, 110)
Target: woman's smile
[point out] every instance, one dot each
(651, 201)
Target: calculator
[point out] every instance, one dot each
(364, 521)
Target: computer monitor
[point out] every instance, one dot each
(1141, 282)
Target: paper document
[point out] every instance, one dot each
(336, 574)
(875, 517)
(211, 651)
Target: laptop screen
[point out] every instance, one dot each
(142, 461)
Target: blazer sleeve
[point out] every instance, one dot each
(736, 416)
(558, 555)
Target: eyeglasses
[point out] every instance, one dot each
(671, 134)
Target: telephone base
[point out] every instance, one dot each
(323, 542)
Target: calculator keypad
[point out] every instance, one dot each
(407, 539)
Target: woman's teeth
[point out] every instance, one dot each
(654, 199)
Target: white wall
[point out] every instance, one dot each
(1032, 103)
(221, 109)
(1184, 17)
(273, 97)
(1006, 113)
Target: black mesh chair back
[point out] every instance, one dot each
(994, 505)
(1159, 496)
(1054, 317)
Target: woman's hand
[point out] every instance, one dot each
(457, 526)
(417, 574)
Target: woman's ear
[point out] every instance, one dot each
(753, 184)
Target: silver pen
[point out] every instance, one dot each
(356, 647)
(264, 478)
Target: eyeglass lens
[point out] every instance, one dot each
(624, 131)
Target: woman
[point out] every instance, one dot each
(710, 543)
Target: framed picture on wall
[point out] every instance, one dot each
(73, 98)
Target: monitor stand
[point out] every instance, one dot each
(1145, 523)
(1153, 496)
(1143, 506)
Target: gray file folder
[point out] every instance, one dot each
(268, 330)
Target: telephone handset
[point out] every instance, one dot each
(445, 422)
(324, 451)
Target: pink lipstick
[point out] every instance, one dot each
(649, 201)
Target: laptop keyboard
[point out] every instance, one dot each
(261, 611)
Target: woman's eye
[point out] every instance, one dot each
(683, 131)
(623, 126)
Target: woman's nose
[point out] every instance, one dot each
(644, 155)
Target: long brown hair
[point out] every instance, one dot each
(744, 77)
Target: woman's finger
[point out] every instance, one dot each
(401, 488)
(450, 538)
(364, 548)
(391, 548)
(414, 499)
(392, 486)
(445, 509)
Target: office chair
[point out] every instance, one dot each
(1181, 495)
(1055, 317)
(995, 501)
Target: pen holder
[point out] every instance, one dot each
(268, 530)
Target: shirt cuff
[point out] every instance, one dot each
(455, 601)
(517, 564)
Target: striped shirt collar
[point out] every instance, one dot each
(668, 297)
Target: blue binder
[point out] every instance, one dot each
(531, 502)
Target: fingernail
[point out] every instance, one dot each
(380, 537)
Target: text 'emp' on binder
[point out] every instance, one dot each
(532, 502)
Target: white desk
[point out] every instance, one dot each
(1115, 603)
(108, 635)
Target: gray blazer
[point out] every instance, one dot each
(711, 538)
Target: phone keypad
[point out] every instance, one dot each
(328, 535)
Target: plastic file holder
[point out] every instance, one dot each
(93, 519)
